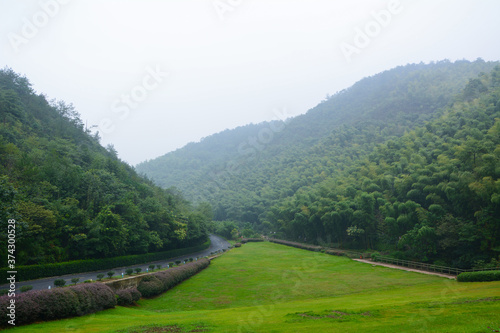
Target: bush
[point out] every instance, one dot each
(158, 266)
(237, 245)
(123, 297)
(75, 280)
(4, 292)
(177, 262)
(159, 282)
(191, 259)
(127, 296)
(152, 267)
(248, 240)
(150, 286)
(171, 264)
(100, 276)
(129, 271)
(335, 253)
(136, 294)
(481, 276)
(87, 281)
(138, 270)
(309, 247)
(110, 274)
(40, 305)
(59, 282)
(25, 288)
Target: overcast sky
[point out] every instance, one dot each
(156, 75)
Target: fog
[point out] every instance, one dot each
(152, 76)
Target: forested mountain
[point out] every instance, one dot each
(405, 161)
(241, 172)
(72, 198)
(431, 195)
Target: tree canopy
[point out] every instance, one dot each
(405, 162)
(73, 198)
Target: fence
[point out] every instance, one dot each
(428, 267)
(385, 259)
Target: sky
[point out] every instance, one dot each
(154, 75)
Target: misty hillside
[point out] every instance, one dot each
(410, 166)
(242, 171)
(71, 197)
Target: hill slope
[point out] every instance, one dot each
(431, 195)
(242, 172)
(72, 198)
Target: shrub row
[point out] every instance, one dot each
(297, 245)
(33, 272)
(248, 240)
(237, 245)
(127, 296)
(482, 276)
(42, 305)
(156, 283)
(335, 253)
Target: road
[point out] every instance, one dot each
(217, 243)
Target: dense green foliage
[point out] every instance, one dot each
(433, 194)
(72, 198)
(482, 276)
(405, 161)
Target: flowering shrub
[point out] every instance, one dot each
(41, 305)
(249, 240)
(159, 282)
(127, 296)
(150, 286)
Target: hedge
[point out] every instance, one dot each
(297, 245)
(481, 276)
(335, 253)
(43, 305)
(127, 296)
(249, 240)
(32, 272)
(157, 283)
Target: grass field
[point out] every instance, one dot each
(265, 287)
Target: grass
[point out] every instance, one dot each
(265, 287)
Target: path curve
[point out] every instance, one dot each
(449, 276)
(217, 243)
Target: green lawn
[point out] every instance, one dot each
(265, 287)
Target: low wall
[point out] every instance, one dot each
(125, 283)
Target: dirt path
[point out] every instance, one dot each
(405, 268)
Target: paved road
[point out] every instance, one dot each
(217, 243)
